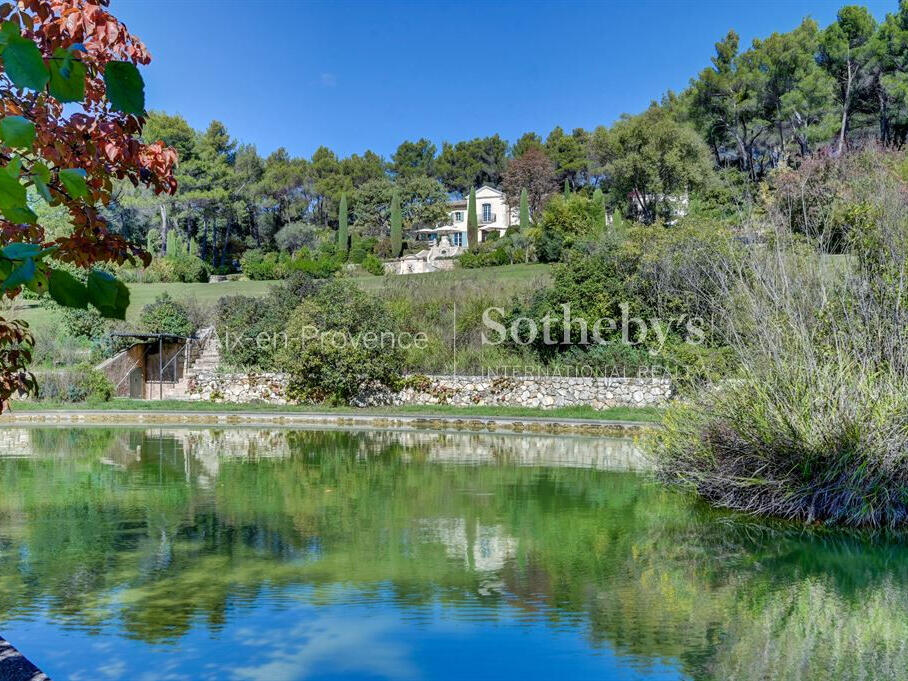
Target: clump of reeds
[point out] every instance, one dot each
(814, 426)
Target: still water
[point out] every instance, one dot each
(277, 554)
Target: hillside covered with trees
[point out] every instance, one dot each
(812, 90)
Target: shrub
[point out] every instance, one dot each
(258, 265)
(373, 265)
(327, 368)
(183, 268)
(269, 266)
(572, 216)
(251, 329)
(54, 347)
(82, 383)
(383, 249)
(319, 267)
(358, 253)
(87, 323)
(165, 315)
(361, 248)
(549, 246)
(489, 254)
(296, 235)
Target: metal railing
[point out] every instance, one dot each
(487, 219)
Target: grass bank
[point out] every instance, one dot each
(623, 414)
(143, 294)
(506, 279)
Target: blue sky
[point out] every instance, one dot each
(367, 75)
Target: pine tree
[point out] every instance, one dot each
(342, 237)
(396, 225)
(472, 221)
(599, 200)
(524, 211)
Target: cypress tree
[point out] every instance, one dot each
(599, 200)
(617, 221)
(153, 241)
(174, 243)
(567, 187)
(342, 238)
(397, 244)
(524, 211)
(472, 221)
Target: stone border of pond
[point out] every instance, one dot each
(14, 666)
(514, 424)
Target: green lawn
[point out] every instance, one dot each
(636, 414)
(142, 294)
(506, 277)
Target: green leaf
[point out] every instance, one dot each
(20, 250)
(125, 88)
(67, 77)
(24, 64)
(23, 274)
(12, 192)
(66, 290)
(50, 250)
(109, 295)
(41, 171)
(7, 30)
(17, 131)
(14, 167)
(41, 178)
(73, 180)
(42, 189)
(38, 283)
(20, 214)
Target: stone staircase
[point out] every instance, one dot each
(204, 355)
(209, 354)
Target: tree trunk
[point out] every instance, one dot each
(884, 115)
(226, 242)
(164, 228)
(254, 225)
(846, 101)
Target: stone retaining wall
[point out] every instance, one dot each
(546, 392)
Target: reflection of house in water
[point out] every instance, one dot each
(483, 548)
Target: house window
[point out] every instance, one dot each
(458, 216)
(487, 212)
(457, 239)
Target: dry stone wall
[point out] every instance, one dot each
(547, 392)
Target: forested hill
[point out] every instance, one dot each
(788, 95)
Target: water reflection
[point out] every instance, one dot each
(275, 554)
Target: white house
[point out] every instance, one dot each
(491, 209)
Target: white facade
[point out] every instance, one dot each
(492, 211)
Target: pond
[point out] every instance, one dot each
(137, 553)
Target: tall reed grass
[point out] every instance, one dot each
(814, 426)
